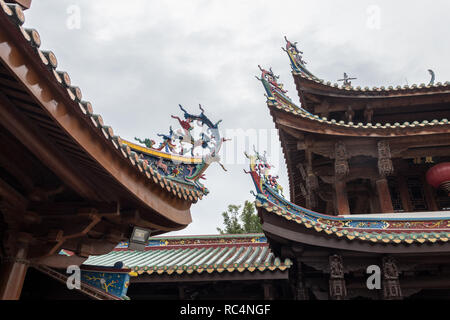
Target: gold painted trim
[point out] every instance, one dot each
(162, 154)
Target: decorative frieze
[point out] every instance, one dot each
(338, 290)
(349, 114)
(385, 166)
(341, 167)
(368, 114)
(391, 284)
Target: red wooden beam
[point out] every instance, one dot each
(25, 4)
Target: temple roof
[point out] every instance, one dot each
(319, 86)
(377, 97)
(360, 115)
(410, 229)
(188, 254)
(306, 80)
(288, 113)
(145, 173)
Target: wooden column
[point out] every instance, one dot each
(384, 196)
(342, 205)
(385, 169)
(341, 170)
(391, 284)
(430, 196)
(300, 290)
(268, 291)
(338, 290)
(181, 293)
(404, 194)
(12, 275)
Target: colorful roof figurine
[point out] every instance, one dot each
(178, 163)
(197, 254)
(275, 93)
(296, 58)
(400, 232)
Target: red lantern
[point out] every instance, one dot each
(439, 176)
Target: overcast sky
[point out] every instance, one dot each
(137, 60)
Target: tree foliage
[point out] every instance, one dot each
(245, 221)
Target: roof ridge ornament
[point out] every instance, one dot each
(269, 80)
(260, 172)
(346, 80)
(296, 58)
(433, 77)
(275, 92)
(196, 132)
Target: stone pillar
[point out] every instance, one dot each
(385, 169)
(391, 284)
(338, 289)
(12, 275)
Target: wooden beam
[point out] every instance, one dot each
(215, 276)
(64, 210)
(26, 4)
(12, 276)
(32, 138)
(12, 196)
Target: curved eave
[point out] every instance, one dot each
(367, 234)
(299, 120)
(21, 55)
(182, 189)
(316, 86)
(178, 270)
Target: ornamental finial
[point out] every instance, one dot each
(260, 171)
(433, 76)
(269, 80)
(294, 53)
(346, 80)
